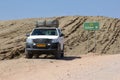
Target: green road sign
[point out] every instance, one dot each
(91, 26)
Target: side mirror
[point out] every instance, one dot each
(28, 34)
(62, 35)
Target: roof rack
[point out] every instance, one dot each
(47, 23)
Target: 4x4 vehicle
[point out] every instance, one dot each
(45, 40)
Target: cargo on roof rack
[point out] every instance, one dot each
(47, 23)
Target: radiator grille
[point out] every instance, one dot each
(42, 40)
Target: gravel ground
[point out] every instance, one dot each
(90, 67)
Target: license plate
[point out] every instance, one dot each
(41, 45)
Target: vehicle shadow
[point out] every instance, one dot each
(66, 58)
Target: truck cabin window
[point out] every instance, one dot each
(44, 32)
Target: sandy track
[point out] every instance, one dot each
(105, 67)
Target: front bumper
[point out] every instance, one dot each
(50, 47)
(41, 50)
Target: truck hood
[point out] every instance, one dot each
(42, 37)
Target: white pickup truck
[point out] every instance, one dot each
(45, 40)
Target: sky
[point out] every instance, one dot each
(20, 9)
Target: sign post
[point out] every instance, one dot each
(91, 26)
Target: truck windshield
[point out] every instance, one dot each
(44, 32)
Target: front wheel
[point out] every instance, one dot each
(28, 54)
(62, 55)
(58, 55)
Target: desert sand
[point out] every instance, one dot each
(87, 67)
(83, 59)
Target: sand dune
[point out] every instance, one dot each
(12, 35)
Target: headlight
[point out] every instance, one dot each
(29, 41)
(54, 40)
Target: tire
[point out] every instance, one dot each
(58, 53)
(28, 55)
(62, 53)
